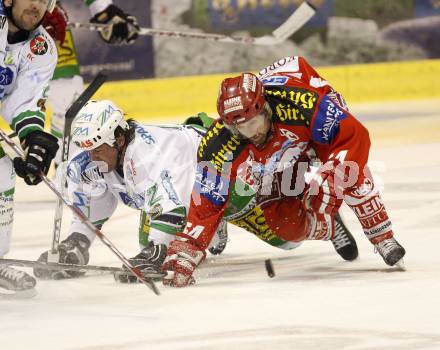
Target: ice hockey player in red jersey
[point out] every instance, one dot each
(270, 131)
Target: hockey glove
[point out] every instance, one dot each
(56, 23)
(73, 250)
(121, 29)
(324, 194)
(40, 148)
(149, 260)
(180, 263)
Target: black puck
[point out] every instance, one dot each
(269, 268)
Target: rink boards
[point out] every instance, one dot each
(184, 96)
(176, 98)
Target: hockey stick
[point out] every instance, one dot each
(72, 267)
(135, 271)
(298, 19)
(73, 110)
(98, 268)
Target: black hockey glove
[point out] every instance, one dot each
(149, 260)
(122, 28)
(73, 250)
(40, 148)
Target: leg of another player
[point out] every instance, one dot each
(10, 278)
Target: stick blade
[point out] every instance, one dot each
(150, 284)
(300, 17)
(142, 278)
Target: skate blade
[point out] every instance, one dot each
(17, 295)
(400, 265)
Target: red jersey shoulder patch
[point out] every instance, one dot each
(39, 45)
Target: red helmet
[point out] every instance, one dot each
(240, 98)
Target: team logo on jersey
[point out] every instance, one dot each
(289, 134)
(301, 98)
(6, 76)
(144, 134)
(326, 125)
(276, 80)
(213, 187)
(167, 184)
(39, 45)
(289, 114)
(254, 221)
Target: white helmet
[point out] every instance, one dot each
(95, 124)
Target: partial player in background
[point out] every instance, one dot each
(148, 168)
(67, 83)
(27, 61)
(271, 128)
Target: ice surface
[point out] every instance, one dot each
(315, 301)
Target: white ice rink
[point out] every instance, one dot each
(315, 301)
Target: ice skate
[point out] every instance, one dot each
(149, 260)
(220, 239)
(18, 283)
(343, 241)
(391, 252)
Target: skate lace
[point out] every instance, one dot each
(10, 273)
(340, 239)
(386, 246)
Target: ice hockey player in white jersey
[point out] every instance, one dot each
(27, 61)
(67, 83)
(148, 168)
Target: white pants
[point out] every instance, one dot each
(7, 186)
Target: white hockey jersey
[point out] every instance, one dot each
(158, 175)
(26, 69)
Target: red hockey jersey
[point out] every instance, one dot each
(307, 113)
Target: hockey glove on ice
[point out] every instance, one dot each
(73, 250)
(180, 263)
(149, 260)
(40, 148)
(121, 29)
(55, 23)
